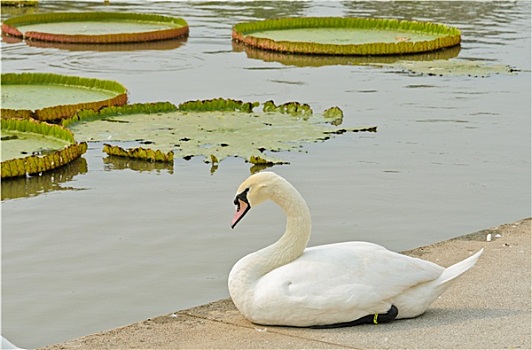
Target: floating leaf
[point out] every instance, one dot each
(195, 129)
(139, 153)
(292, 108)
(345, 36)
(217, 104)
(113, 111)
(95, 27)
(334, 113)
(52, 97)
(31, 147)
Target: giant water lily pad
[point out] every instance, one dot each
(214, 129)
(346, 36)
(32, 147)
(48, 97)
(95, 27)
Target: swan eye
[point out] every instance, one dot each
(242, 196)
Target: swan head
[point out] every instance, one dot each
(254, 190)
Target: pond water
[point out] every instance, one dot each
(105, 242)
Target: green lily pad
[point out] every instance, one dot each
(32, 147)
(50, 97)
(214, 129)
(346, 36)
(16, 143)
(95, 27)
(453, 68)
(139, 153)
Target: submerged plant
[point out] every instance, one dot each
(453, 68)
(215, 129)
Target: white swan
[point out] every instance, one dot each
(330, 285)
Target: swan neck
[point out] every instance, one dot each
(298, 227)
(250, 269)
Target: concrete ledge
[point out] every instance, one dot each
(489, 307)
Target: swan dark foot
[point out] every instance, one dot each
(376, 319)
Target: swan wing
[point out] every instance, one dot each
(351, 279)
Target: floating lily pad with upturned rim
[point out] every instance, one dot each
(346, 36)
(95, 27)
(215, 129)
(50, 97)
(32, 147)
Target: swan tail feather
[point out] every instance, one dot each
(417, 300)
(459, 268)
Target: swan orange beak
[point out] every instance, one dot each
(242, 208)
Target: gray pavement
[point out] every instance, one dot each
(488, 308)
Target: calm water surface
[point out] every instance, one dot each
(103, 243)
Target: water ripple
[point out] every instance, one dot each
(131, 61)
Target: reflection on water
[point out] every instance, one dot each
(121, 163)
(325, 60)
(151, 45)
(55, 180)
(255, 9)
(452, 156)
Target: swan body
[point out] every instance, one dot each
(289, 284)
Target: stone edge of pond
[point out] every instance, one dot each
(488, 310)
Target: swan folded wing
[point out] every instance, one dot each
(356, 276)
(288, 306)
